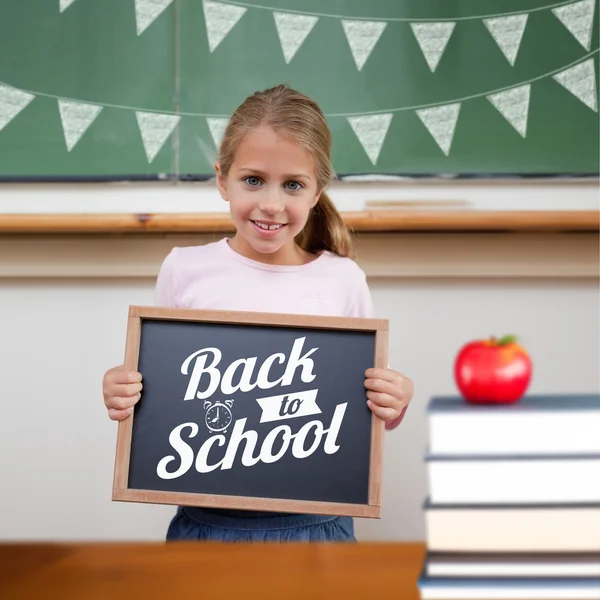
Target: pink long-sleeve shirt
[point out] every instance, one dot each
(215, 276)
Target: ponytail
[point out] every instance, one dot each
(325, 230)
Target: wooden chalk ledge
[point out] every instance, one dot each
(372, 221)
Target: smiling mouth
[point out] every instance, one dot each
(269, 226)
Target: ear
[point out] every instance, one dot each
(221, 182)
(316, 199)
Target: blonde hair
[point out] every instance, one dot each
(300, 118)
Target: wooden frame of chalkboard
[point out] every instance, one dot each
(332, 484)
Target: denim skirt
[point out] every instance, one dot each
(191, 523)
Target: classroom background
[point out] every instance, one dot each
(466, 144)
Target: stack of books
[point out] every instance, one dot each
(514, 499)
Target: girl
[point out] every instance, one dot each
(290, 253)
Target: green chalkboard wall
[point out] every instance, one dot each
(126, 89)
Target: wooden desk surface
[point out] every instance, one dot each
(189, 570)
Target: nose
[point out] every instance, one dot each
(271, 201)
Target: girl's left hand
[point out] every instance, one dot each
(389, 393)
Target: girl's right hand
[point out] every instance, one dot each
(121, 389)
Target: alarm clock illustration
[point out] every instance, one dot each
(218, 415)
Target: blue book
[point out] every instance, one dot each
(464, 588)
(534, 402)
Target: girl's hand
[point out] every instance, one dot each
(121, 390)
(389, 393)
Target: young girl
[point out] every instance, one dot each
(290, 254)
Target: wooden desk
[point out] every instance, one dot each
(189, 570)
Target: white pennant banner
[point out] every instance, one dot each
(580, 80)
(433, 39)
(292, 31)
(64, 4)
(508, 32)
(220, 19)
(578, 18)
(155, 129)
(217, 127)
(371, 131)
(513, 105)
(147, 11)
(441, 123)
(12, 102)
(362, 37)
(76, 118)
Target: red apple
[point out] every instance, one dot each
(493, 370)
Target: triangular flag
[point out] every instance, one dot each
(508, 32)
(362, 37)
(147, 11)
(441, 122)
(578, 18)
(371, 131)
(220, 19)
(580, 80)
(514, 106)
(433, 38)
(292, 30)
(12, 102)
(217, 126)
(155, 129)
(64, 4)
(76, 117)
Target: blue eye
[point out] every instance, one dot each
(297, 186)
(252, 181)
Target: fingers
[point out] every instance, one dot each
(388, 393)
(390, 382)
(385, 374)
(383, 405)
(121, 389)
(119, 403)
(119, 415)
(382, 386)
(121, 375)
(134, 377)
(385, 400)
(125, 390)
(383, 412)
(122, 396)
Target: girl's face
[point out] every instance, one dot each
(271, 187)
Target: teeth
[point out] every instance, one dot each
(263, 226)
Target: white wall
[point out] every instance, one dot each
(63, 306)
(57, 336)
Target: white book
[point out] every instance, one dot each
(514, 479)
(555, 424)
(514, 565)
(513, 528)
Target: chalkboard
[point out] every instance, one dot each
(252, 411)
(135, 89)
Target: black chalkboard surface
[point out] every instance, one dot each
(254, 411)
